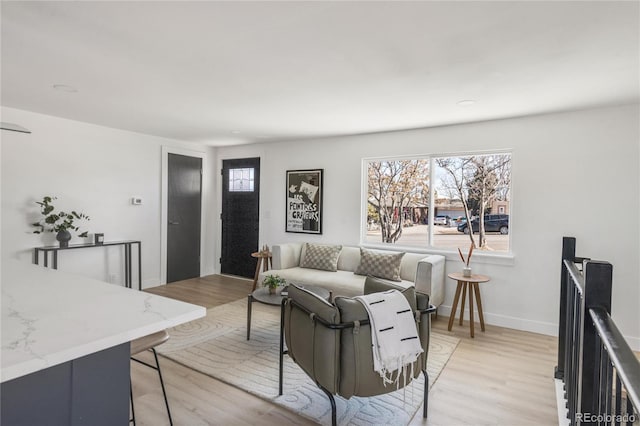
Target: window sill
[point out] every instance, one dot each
(479, 256)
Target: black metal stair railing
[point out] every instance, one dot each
(601, 375)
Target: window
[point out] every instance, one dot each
(241, 180)
(444, 202)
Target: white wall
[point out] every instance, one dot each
(574, 174)
(95, 170)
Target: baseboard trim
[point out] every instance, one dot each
(149, 283)
(541, 327)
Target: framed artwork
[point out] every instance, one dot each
(304, 201)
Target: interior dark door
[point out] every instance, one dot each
(183, 207)
(240, 215)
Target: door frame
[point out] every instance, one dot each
(164, 197)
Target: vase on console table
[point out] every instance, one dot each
(63, 238)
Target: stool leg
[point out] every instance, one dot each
(133, 413)
(164, 392)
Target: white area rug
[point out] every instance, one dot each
(216, 346)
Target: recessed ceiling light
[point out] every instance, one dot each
(65, 88)
(466, 102)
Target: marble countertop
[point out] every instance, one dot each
(50, 317)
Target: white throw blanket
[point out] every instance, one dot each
(394, 334)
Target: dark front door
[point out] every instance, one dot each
(183, 211)
(240, 215)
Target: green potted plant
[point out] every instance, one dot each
(59, 222)
(272, 282)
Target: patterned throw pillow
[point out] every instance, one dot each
(381, 265)
(319, 256)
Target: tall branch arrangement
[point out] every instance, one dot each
(466, 262)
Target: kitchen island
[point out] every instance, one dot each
(65, 344)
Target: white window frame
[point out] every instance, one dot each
(501, 257)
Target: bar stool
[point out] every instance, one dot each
(143, 344)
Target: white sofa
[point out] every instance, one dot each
(426, 272)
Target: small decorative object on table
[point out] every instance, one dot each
(272, 282)
(59, 222)
(466, 271)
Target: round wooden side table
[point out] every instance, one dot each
(470, 284)
(264, 259)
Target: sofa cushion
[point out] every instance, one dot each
(349, 259)
(321, 256)
(381, 265)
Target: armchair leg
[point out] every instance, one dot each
(333, 405)
(426, 394)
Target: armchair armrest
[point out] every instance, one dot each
(422, 301)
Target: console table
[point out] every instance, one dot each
(53, 250)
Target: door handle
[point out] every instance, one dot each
(173, 223)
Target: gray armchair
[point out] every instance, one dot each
(332, 342)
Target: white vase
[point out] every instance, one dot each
(466, 271)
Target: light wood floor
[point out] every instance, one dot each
(502, 377)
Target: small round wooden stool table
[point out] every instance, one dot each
(264, 259)
(470, 284)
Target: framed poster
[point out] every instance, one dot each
(304, 201)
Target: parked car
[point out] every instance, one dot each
(492, 223)
(441, 220)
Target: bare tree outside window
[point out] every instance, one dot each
(491, 179)
(394, 187)
(479, 181)
(459, 172)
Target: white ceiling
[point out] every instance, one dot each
(241, 72)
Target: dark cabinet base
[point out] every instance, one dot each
(92, 390)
